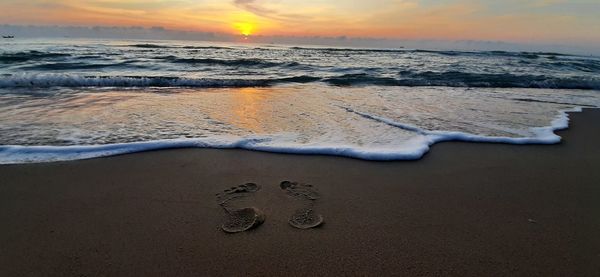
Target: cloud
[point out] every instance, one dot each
(259, 8)
(254, 7)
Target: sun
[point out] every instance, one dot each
(245, 28)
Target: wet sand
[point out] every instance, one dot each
(465, 209)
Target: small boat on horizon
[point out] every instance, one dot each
(8, 36)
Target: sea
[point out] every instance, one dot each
(70, 99)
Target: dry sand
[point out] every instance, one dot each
(465, 209)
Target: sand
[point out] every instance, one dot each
(466, 209)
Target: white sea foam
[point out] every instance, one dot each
(47, 80)
(78, 80)
(411, 149)
(543, 135)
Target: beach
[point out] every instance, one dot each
(465, 209)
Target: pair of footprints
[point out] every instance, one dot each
(242, 219)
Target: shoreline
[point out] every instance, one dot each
(545, 135)
(464, 209)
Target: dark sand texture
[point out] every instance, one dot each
(464, 210)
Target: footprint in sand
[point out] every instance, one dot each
(305, 217)
(239, 219)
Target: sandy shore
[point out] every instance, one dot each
(464, 210)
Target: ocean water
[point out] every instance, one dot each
(75, 99)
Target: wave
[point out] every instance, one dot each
(528, 55)
(148, 45)
(411, 150)
(158, 46)
(465, 79)
(374, 50)
(236, 62)
(207, 47)
(73, 81)
(20, 57)
(589, 66)
(410, 79)
(542, 135)
(79, 65)
(523, 54)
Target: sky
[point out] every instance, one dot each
(574, 22)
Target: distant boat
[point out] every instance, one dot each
(8, 36)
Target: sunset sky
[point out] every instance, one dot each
(555, 21)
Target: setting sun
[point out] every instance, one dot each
(244, 28)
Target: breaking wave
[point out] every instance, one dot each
(433, 79)
(20, 57)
